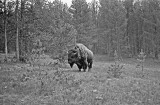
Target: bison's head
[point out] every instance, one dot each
(72, 57)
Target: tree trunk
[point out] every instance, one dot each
(109, 49)
(21, 40)
(136, 38)
(5, 31)
(156, 53)
(17, 31)
(156, 38)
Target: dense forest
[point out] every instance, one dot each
(104, 26)
(43, 60)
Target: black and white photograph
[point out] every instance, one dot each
(79, 52)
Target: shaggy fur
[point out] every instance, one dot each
(85, 55)
(81, 56)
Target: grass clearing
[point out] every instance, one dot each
(45, 85)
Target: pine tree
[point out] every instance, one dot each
(81, 19)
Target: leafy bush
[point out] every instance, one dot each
(115, 70)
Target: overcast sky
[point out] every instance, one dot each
(70, 1)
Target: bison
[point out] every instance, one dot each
(74, 59)
(81, 56)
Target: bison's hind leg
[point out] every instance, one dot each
(85, 64)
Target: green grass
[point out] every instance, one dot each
(21, 84)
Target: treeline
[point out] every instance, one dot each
(126, 26)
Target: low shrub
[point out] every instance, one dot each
(115, 70)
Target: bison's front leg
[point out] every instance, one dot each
(79, 67)
(71, 65)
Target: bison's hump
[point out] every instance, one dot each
(84, 51)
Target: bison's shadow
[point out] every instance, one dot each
(73, 70)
